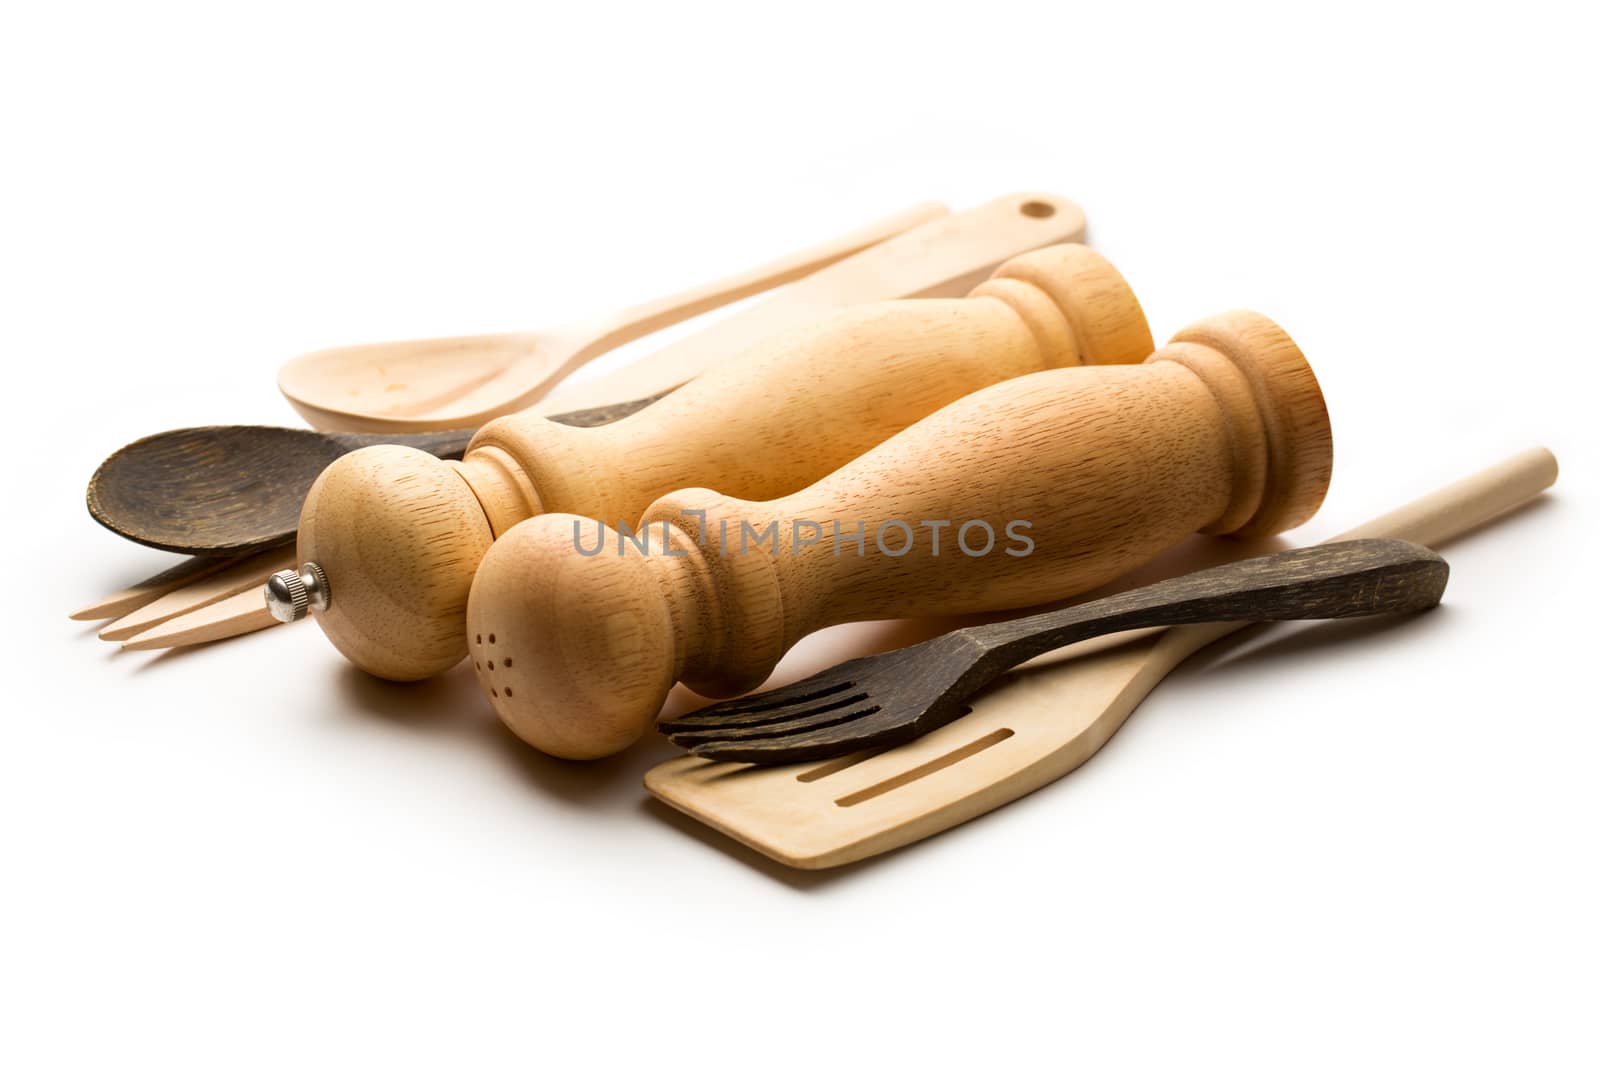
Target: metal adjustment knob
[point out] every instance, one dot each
(291, 594)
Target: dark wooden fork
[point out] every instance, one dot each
(891, 698)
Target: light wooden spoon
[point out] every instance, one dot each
(452, 383)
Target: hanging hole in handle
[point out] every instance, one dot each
(1037, 209)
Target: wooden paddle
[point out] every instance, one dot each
(1039, 723)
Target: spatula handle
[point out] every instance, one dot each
(1431, 520)
(1339, 580)
(634, 322)
(945, 257)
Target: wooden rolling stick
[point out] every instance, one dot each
(390, 537)
(1022, 493)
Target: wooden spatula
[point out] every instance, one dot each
(946, 257)
(1035, 726)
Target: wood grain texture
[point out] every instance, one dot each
(242, 613)
(1109, 465)
(897, 696)
(463, 382)
(943, 258)
(246, 574)
(230, 490)
(399, 534)
(1040, 722)
(176, 586)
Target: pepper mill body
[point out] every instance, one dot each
(1223, 430)
(398, 534)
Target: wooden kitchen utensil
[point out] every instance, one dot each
(118, 604)
(894, 697)
(232, 489)
(1223, 430)
(1036, 724)
(942, 257)
(451, 383)
(391, 536)
(946, 257)
(227, 490)
(248, 573)
(242, 613)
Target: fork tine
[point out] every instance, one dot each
(756, 708)
(830, 713)
(871, 731)
(879, 727)
(786, 712)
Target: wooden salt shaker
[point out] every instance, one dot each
(1224, 431)
(390, 537)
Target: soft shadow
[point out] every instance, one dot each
(448, 704)
(792, 877)
(591, 785)
(92, 628)
(159, 659)
(450, 707)
(798, 879)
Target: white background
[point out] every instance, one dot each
(1379, 844)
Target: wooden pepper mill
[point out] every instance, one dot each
(390, 537)
(577, 641)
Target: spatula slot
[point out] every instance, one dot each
(835, 766)
(816, 774)
(949, 759)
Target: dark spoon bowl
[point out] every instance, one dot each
(226, 490)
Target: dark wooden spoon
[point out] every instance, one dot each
(226, 490)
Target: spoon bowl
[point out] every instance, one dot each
(226, 490)
(423, 386)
